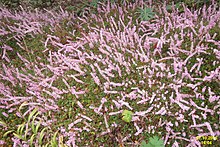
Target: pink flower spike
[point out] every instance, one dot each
(80, 105)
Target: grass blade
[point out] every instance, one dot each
(32, 114)
(3, 123)
(53, 141)
(31, 140)
(8, 132)
(41, 136)
(18, 136)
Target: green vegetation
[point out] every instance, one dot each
(96, 116)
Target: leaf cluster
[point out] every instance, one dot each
(154, 141)
(146, 13)
(127, 116)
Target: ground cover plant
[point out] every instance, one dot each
(119, 74)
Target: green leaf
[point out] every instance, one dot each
(127, 116)
(143, 144)
(146, 13)
(155, 141)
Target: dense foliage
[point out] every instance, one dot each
(110, 74)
